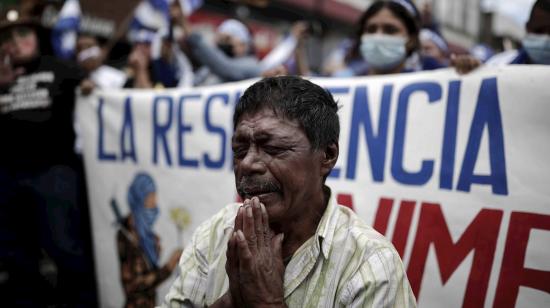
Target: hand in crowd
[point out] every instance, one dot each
(254, 259)
(177, 17)
(464, 63)
(86, 86)
(7, 73)
(299, 30)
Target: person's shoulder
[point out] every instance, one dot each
(220, 221)
(354, 231)
(211, 235)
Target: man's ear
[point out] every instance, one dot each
(330, 156)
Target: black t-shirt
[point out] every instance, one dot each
(36, 115)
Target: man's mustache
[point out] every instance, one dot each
(253, 185)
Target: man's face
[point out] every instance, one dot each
(274, 161)
(19, 43)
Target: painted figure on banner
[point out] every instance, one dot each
(139, 247)
(289, 244)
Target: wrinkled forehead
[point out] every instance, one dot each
(262, 111)
(266, 122)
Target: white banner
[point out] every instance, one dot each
(453, 169)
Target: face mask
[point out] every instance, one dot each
(89, 53)
(227, 49)
(150, 215)
(537, 47)
(383, 52)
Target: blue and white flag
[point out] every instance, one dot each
(149, 17)
(190, 6)
(65, 30)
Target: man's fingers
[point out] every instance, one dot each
(244, 254)
(265, 219)
(232, 263)
(232, 269)
(258, 222)
(239, 217)
(249, 231)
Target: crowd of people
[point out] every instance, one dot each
(45, 246)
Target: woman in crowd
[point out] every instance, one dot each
(387, 42)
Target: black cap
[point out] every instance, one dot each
(13, 18)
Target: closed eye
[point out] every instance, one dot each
(239, 152)
(274, 150)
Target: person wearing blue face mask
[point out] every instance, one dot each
(139, 248)
(536, 44)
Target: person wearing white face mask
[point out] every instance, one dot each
(386, 40)
(390, 37)
(536, 44)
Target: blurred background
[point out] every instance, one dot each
(499, 24)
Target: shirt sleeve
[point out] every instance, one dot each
(380, 281)
(188, 290)
(229, 69)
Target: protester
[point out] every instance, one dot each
(536, 44)
(434, 45)
(139, 247)
(42, 191)
(90, 57)
(230, 60)
(139, 67)
(289, 243)
(289, 52)
(386, 42)
(170, 62)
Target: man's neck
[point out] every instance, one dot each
(298, 231)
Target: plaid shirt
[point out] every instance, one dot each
(139, 278)
(346, 263)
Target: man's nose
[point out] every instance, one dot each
(252, 162)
